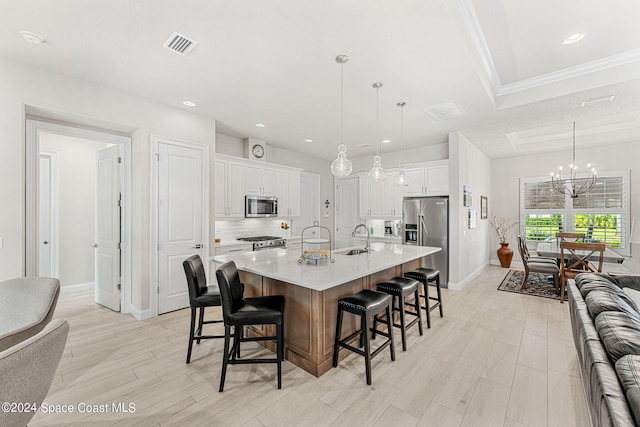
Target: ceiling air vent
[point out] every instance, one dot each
(180, 44)
(446, 110)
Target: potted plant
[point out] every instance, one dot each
(502, 230)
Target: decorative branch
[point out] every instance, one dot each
(502, 229)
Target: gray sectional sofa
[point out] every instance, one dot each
(605, 322)
(31, 345)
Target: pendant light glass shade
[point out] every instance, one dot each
(341, 166)
(377, 172)
(402, 179)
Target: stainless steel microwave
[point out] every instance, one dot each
(260, 206)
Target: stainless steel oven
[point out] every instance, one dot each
(260, 206)
(261, 243)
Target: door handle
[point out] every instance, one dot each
(197, 246)
(46, 242)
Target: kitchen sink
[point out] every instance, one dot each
(354, 252)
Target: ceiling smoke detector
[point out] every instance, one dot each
(180, 44)
(446, 110)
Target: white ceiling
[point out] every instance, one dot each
(272, 62)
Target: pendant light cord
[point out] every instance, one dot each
(377, 118)
(341, 100)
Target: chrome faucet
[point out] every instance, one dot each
(353, 234)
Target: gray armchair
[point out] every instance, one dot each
(27, 370)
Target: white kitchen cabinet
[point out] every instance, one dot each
(259, 180)
(229, 178)
(288, 192)
(371, 196)
(391, 196)
(229, 249)
(428, 179)
(380, 199)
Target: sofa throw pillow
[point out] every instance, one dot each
(619, 333)
(599, 301)
(628, 371)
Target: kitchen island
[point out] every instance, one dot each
(312, 292)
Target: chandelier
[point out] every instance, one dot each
(341, 166)
(377, 172)
(573, 185)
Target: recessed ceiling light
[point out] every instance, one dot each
(594, 101)
(260, 125)
(308, 140)
(386, 141)
(365, 145)
(573, 38)
(189, 103)
(32, 37)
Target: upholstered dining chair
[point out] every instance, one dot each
(544, 267)
(575, 258)
(200, 297)
(238, 311)
(524, 250)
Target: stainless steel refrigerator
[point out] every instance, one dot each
(425, 222)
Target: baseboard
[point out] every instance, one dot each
(139, 314)
(461, 285)
(514, 264)
(80, 287)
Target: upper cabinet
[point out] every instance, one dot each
(288, 192)
(430, 179)
(229, 176)
(384, 200)
(236, 177)
(260, 180)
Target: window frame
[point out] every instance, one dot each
(569, 211)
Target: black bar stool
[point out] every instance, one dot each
(399, 288)
(426, 276)
(366, 303)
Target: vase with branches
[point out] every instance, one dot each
(502, 230)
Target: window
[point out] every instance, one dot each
(601, 214)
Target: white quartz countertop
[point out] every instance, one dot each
(283, 265)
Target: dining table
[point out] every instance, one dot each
(552, 250)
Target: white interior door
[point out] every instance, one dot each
(180, 220)
(45, 226)
(107, 247)
(346, 210)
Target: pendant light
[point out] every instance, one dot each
(341, 166)
(377, 172)
(402, 179)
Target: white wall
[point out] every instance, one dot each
(76, 203)
(506, 173)
(468, 248)
(23, 86)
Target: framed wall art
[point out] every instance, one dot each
(484, 207)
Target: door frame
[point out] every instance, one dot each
(155, 140)
(34, 127)
(53, 185)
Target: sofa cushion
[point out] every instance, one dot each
(584, 278)
(628, 370)
(599, 301)
(26, 306)
(620, 334)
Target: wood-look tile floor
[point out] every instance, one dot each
(495, 359)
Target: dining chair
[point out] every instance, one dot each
(545, 267)
(569, 237)
(524, 250)
(575, 258)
